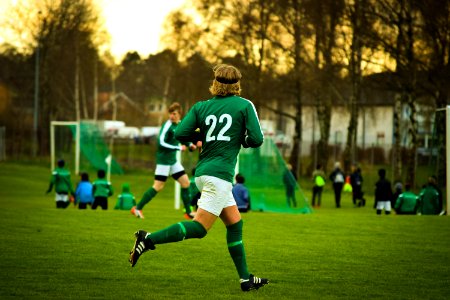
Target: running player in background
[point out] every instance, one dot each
(167, 164)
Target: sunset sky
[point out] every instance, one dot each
(134, 25)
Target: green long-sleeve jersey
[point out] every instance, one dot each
(61, 180)
(429, 202)
(168, 145)
(406, 202)
(225, 124)
(102, 188)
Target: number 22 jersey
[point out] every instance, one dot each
(225, 124)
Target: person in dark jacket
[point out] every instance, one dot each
(337, 177)
(383, 193)
(290, 183)
(356, 180)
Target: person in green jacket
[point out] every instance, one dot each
(61, 180)
(126, 199)
(101, 189)
(406, 203)
(430, 199)
(227, 122)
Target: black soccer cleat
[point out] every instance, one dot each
(141, 245)
(253, 283)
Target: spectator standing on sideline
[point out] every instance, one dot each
(290, 183)
(337, 177)
(226, 123)
(101, 189)
(83, 193)
(430, 198)
(406, 203)
(167, 164)
(383, 193)
(356, 180)
(126, 200)
(241, 194)
(63, 186)
(318, 177)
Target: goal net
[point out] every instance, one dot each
(265, 174)
(83, 144)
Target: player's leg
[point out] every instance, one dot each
(180, 175)
(95, 203)
(104, 203)
(232, 219)
(157, 186)
(387, 207)
(197, 228)
(314, 196)
(336, 194)
(380, 206)
(161, 174)
(319, 195)
(339, 187)
(217, 200)
(288, 198)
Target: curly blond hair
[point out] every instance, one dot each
(226, 81)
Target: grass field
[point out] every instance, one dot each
(349, 253)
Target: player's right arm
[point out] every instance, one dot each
(52, 181)
(162, 137)
(186, 129)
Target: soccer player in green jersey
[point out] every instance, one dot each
(167, 164)
(63, 185)
(226, 122)
(406, 203)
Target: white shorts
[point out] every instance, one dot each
(167, 170)
(62, 197)
(384, 204)
(215, 194)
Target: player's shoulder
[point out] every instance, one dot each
(242, 100)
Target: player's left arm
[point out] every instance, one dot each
(186, 129)
(254, 137)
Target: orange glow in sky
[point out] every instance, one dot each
(134, 25)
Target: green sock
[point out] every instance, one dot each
(186, 197)
(178, 232)
(236, 249)
(148, 195)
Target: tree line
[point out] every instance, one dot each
(291, 52)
